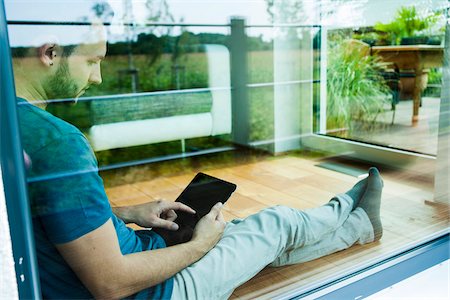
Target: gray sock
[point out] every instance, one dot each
(357, 191)
(371, 201)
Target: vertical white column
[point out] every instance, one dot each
(292, 62)
(442, 178)
(323, 79)
(8, 284)
(286, 97)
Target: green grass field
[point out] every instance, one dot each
(188, 72)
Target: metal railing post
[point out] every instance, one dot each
(239, 79)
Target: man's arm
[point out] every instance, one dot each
(98, 262)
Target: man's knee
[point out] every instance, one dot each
(282, 214)
(284, 222)
(281, 210)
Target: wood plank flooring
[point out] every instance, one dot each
(300, 183)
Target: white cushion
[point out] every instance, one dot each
(142, 132)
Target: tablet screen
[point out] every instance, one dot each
(202, 193)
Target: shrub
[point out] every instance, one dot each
(356, 88)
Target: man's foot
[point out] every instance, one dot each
(357, 191)
(371, 201)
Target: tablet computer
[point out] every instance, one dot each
(202, 193)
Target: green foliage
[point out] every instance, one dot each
(187, 42)
(407, 23)
(434, 83)
(356, 89)
(435, 76)
(367, 37)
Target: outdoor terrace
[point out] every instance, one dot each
(422, 137)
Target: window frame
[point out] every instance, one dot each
(368, 278)
(12, 164)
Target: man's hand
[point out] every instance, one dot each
(209, 229)
(157, 214)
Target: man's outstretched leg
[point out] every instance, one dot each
(362, 226)
(249, 245)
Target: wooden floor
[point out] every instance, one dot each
(300, 183)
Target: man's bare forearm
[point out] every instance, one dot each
(142, 270)
(97, 260)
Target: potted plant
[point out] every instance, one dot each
(409, 28)
(357, 92)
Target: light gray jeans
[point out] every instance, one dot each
(275, 236)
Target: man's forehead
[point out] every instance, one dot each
(92, 49)
(94, 43)
(92, 40)
(96, 33)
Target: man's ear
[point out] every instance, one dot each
(47, 54)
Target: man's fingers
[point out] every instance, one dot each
(160, 223)
(220, 217)
(215, 210)
(171, 215)
(179, 206)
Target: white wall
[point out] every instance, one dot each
(8, 284)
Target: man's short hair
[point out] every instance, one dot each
(22, 52)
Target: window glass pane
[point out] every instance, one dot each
(394, 58)
(122, 103)
(260, 54)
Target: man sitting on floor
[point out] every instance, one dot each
(84, 248)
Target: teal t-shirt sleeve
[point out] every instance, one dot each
(68, 193)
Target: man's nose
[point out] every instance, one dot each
(96, 76)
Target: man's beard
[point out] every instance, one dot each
(61, 85)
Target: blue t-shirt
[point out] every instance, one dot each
(68, 200)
